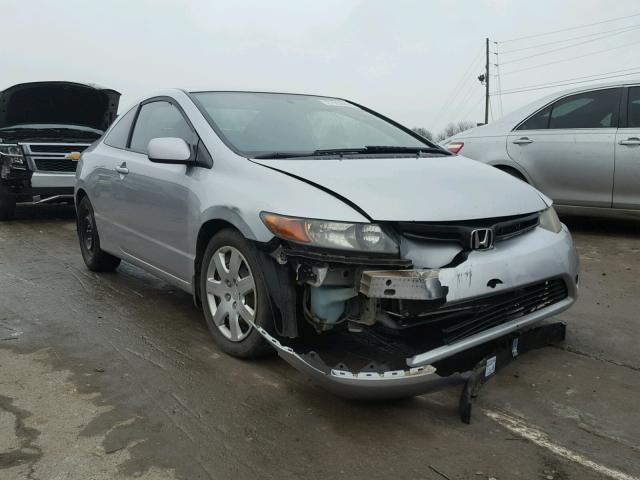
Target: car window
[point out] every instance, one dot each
(597, 109)
(633, 112)
(159, 119)
(538, 121)
(119, 134)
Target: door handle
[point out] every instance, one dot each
(630, 141)
(522, 141)
(122, 168)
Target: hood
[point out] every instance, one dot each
(425, 189)
(64, 103)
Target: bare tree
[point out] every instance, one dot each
(453, 128)
(423, 132)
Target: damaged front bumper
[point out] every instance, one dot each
(538, 258)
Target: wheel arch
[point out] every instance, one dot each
(515, 170)
(223, 220)
(80, 194)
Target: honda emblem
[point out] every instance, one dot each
(482, 239)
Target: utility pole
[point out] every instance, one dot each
(486, 83)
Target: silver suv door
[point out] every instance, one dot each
(567, 148)
(154, 198)
(626, 186)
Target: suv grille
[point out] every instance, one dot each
(464, 319)
(50, 157)
(53, 148)
(460, 232)
(55, 164)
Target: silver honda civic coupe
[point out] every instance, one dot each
(367, 257)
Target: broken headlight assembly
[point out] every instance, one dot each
(549, 220)
(357, 237)
(11, 158)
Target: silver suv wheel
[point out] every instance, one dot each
(231, 293)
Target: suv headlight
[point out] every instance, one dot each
(359, 237)
(12, 157)
(549, 220)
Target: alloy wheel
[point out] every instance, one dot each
(231, 293)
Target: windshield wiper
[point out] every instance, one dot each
(375, 149)
(394, 149)
(276, 155)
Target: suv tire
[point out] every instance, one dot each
(7, 204)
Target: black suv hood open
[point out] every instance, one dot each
(65, 103)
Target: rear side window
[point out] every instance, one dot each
(538, 121)
(119, 134)
(597, 109)
(159, 119)
(633, 112)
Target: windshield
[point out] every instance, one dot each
(267, 124)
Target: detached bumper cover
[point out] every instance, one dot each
(517, 262)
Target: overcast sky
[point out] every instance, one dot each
(404, 58)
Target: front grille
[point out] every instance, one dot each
(52, 148)
(460, 232)
(50, 157)
(464, 319)
(55, 165)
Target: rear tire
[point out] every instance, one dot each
(95, 259)
(7, 204)
(232, 288)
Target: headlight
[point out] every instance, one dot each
(360, 237)
(11, 156)
(549, 220)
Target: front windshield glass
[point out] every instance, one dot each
(265, 123)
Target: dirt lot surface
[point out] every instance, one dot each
(115, 376)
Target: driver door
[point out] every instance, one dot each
(153, 198)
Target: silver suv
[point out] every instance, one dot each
(365, 255)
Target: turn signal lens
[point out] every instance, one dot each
(286, 227)
(360, 237)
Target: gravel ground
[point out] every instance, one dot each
(115, 376)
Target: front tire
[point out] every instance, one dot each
(234, 294)
(96, 259)
(7, 204)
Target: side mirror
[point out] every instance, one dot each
(169, 150)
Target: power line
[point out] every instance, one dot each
(463, 80)
(551, 85)
(473, 107)
(568, 39)
(584, 76)
(570, 28)
(572, 58)
(568, 46)
(456, 111)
